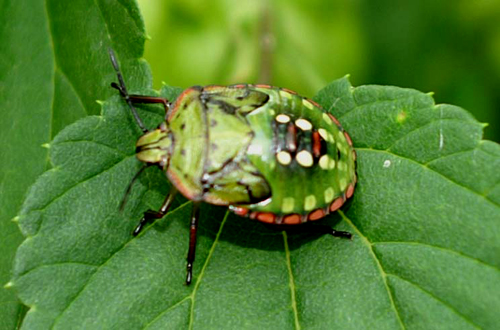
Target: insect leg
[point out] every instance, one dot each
(151, 215)
(150, 99)
(192, 242)
(311, 228)
(123, 90)
(324, 229)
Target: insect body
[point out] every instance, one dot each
(264, 152)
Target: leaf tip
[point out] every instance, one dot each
(431, 94)
(46, 145)
(9, 285)
(484, 125)
(101, 103)
(15, 219)
(147, 36)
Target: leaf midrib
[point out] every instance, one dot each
(293, 289)
(383, 274)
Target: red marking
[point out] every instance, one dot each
(180, 186)
(314, 103)
(239, 86)
(292, 219)
(263, 86)
(266, 217)
(289, 91)
(350, 191)
(316, 147)
(348, 138)
(180, 99)
(316, 214)
(253, 215)
(241, 211)
(334, 119)
(291, 137)
(336, 204)
(212, 87)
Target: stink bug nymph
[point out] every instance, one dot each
(265, 152)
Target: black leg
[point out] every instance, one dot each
(192, 242)
(329, 230)
(311, 228)
(151, 215)
(123, 90)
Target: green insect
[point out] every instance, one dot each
(264, 152)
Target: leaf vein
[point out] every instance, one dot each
(202, 272)
(80, 182)
(449, 155)
(291, 282)
(166, 311)
(447, 305)
(379, 266)
(57, 264)
(132, 239)
(460, 254)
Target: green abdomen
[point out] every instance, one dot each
(305, 156)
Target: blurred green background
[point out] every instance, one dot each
(451, 48)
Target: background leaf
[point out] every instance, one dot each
(451, 47)
(425, 218)
(53, 66)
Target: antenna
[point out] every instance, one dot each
(123, 90)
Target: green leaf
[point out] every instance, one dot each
(425, 218)
(53, 66)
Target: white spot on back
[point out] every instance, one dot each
(304, 158)
(287, 204)
(341, 136)
(282, 118)
(323, 133)
(303, 124)
(340, 146)
(329, 194)
(307, 104)
(327, 119)
(285, 94)
(309, 202)
(387, 163)
(284, 157)
(342, 184)
(326, 162)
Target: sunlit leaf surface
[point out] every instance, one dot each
(425, 218)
